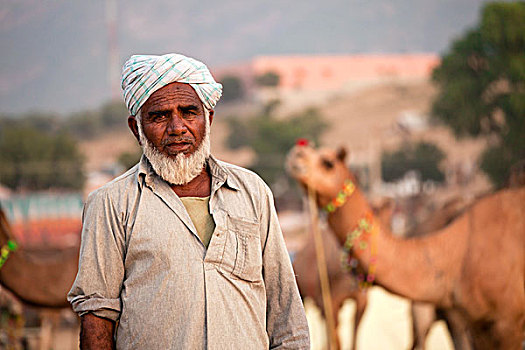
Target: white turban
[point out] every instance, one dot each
(142, 75)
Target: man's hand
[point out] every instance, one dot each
(96, 333)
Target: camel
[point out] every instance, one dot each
(442, 217)
(425, 314)
(474, 267)
(38, 277)
(342, 285)
(345, 286)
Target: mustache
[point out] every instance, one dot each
(176, 139)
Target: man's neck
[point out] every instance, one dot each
(200, 186)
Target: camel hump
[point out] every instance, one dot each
(442, 217)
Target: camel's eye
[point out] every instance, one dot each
(327, 163)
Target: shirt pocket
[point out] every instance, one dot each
(243, 255)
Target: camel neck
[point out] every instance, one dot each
(398, 262)
(346, 217)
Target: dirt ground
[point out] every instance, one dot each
(385, 325)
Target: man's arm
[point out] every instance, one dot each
(286, 320)
(96, 333)
(95, 294)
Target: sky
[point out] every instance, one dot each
(54, 54)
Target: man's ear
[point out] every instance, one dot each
(132, 124)
(212, 112)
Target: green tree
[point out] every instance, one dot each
(129, 159)
(481, 84)
(232, 88)
(114, 114)
(85, 124)
(270, 79)
(42, 122)
(422, 157)
(34, 160)
(271, 138)
(90, 123)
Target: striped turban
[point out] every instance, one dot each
(142, 75)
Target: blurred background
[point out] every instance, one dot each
(427, 97)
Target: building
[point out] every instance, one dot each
(343, 72)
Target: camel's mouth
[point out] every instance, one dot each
(295, 169)
(295, 164)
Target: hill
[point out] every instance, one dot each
(55, 54)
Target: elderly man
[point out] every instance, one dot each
(183, 251)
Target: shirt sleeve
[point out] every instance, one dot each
(101, 264)
(286, 320)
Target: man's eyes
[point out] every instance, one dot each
(162, 116)
(190, 112)
(159, 117)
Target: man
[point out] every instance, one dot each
(183, 251)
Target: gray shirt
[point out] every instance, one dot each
(142, 263)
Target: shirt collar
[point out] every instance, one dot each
(218, 172)
(222, 174)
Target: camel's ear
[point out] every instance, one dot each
(341, 154)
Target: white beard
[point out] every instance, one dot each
(181, 169)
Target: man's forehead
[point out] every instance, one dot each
(174, 93)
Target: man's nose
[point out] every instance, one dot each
(176, 125)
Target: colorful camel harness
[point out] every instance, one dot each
(6, 250)
(365, 226)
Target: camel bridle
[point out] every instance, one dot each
(341, 197)
(11, 245)
(365, 227)
(6, 251)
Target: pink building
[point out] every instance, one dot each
(337, 72)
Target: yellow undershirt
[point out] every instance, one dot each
(198, 209)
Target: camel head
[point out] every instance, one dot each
(322, 170)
